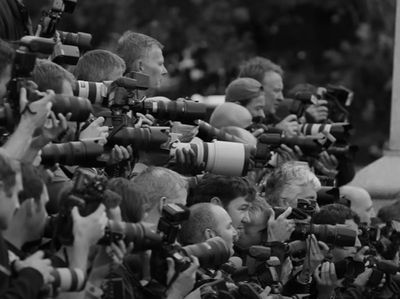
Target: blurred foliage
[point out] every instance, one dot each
(347, 42)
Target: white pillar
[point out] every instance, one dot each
(394, 142)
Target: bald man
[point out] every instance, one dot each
(207, 221)
(231, 114)
(361, 202)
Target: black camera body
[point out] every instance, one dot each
(30, 47)
(87, 193)
(53, 15)
(211, 253)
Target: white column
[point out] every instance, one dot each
(394, 142)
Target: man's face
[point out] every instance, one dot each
(153, 66)
(289, 196)
(8, 205)
(273, 87)
(256, 106)
(5, 77)
(38, 220)
(238, 209)
(225, 228)
(339, 253)
(253, 231)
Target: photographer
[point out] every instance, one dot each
(340, 214)
(143, 53)
(26, 278)
(234, 194)
(248, 93)
(270, 76)
(206, 221)
(99, 66)
(289, 182)
(33, 115)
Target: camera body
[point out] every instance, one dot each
(87, 193)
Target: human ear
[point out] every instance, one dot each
(215, 200)
(209, 233)
(161, 204)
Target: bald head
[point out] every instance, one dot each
(206, 221)
(243, 134)
(231, 114)
(361, 202)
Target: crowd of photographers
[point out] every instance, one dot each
(107, 191)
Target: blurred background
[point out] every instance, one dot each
(348, 42)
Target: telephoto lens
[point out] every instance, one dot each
(211, 253)
(81, 39)
(183, 111)
(80, 108)
(82, 153)
(96, 92)
(208, 133)
(151, 138)
(338, 130)
(219, 157)
(142, 236)
(338, 235)
(68, 280)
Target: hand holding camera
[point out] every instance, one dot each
(184, 282)
(34, 114)
(313, 259)
(88, 230)
(38, 262)
(317, 112)
(95, 130)
(289, 125)
(281, 228)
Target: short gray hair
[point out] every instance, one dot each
(289, 175)
(202, 217)
(133, 46)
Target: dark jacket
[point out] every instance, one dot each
(14, 20)
(25, 284)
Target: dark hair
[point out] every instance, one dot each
(133, 46)
(49, 75)
(6, 55)
(97, 65)
(335, 214)
(7, 174)
(32, 183)
(226, 188)
(257, 67)
(131, 205)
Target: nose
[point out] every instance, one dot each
(246, 217)
(261, 113)
(358, 243)
(164, 70)
(279, 97)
